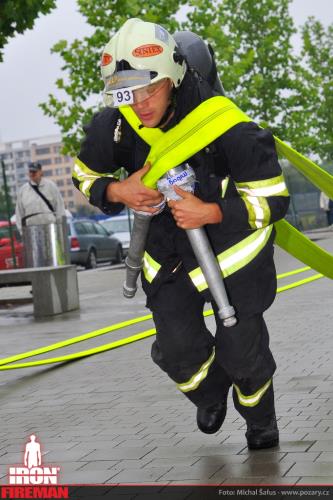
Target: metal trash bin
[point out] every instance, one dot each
(46, 244)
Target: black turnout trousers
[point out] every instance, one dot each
(184, 344)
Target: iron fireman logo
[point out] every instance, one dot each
(33, 480)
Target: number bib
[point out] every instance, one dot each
(122, 97)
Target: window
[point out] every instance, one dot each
(68, 170)
(100, 230)
(58, 159)
(47, 161)
(69, 182)
(62, 193)
(58, 171)
(47, 173)
(80, 228)
(42, 151)
(89, 227)
(60, 182)
(69, 192)
(118, 226)
(71, 204)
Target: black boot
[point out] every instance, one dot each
(210, 419)
(262, 435)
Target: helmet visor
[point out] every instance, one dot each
(132, 88)
(128, 78)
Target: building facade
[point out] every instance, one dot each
(56, 167)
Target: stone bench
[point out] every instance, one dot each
(54, 289)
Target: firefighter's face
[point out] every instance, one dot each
(151, 109)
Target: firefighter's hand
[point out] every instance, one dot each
(134, 194)
(190, 212)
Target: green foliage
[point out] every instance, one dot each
(317, 56)
(16, 16)
(252, 43)
(253, 49)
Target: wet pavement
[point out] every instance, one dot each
(115, 417)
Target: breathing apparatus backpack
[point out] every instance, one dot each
(199, 57)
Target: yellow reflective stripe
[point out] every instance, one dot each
(242, 253)
(86, 176)
(268, 187)
(224, 186)
(198, 279)
(150, 267)
(258, 210)
(198, 377)
(253, 399)
(235, 257)
(254, 195)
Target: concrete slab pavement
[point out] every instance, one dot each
(115, 417)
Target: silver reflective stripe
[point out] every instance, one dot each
(150, 267)
(198, 377)
(235, 257)
(253, 399)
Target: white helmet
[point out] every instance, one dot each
(140, 54)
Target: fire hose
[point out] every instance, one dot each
(184, 177)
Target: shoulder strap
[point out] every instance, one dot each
(199, 128)
(48, 203)
(203, 125)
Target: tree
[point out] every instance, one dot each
(16, 16)
(314, 116)
(252, 43)
(253, 50)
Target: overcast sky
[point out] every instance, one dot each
(29, 70)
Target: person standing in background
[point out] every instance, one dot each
(38, 201)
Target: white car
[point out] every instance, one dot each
(121, 227)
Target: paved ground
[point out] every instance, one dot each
(116, 418)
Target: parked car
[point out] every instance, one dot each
(90, 243)
(121, 227)
(6, 257)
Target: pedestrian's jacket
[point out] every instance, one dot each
(31, 209)
(239, 171)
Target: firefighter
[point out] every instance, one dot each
(240, 192)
